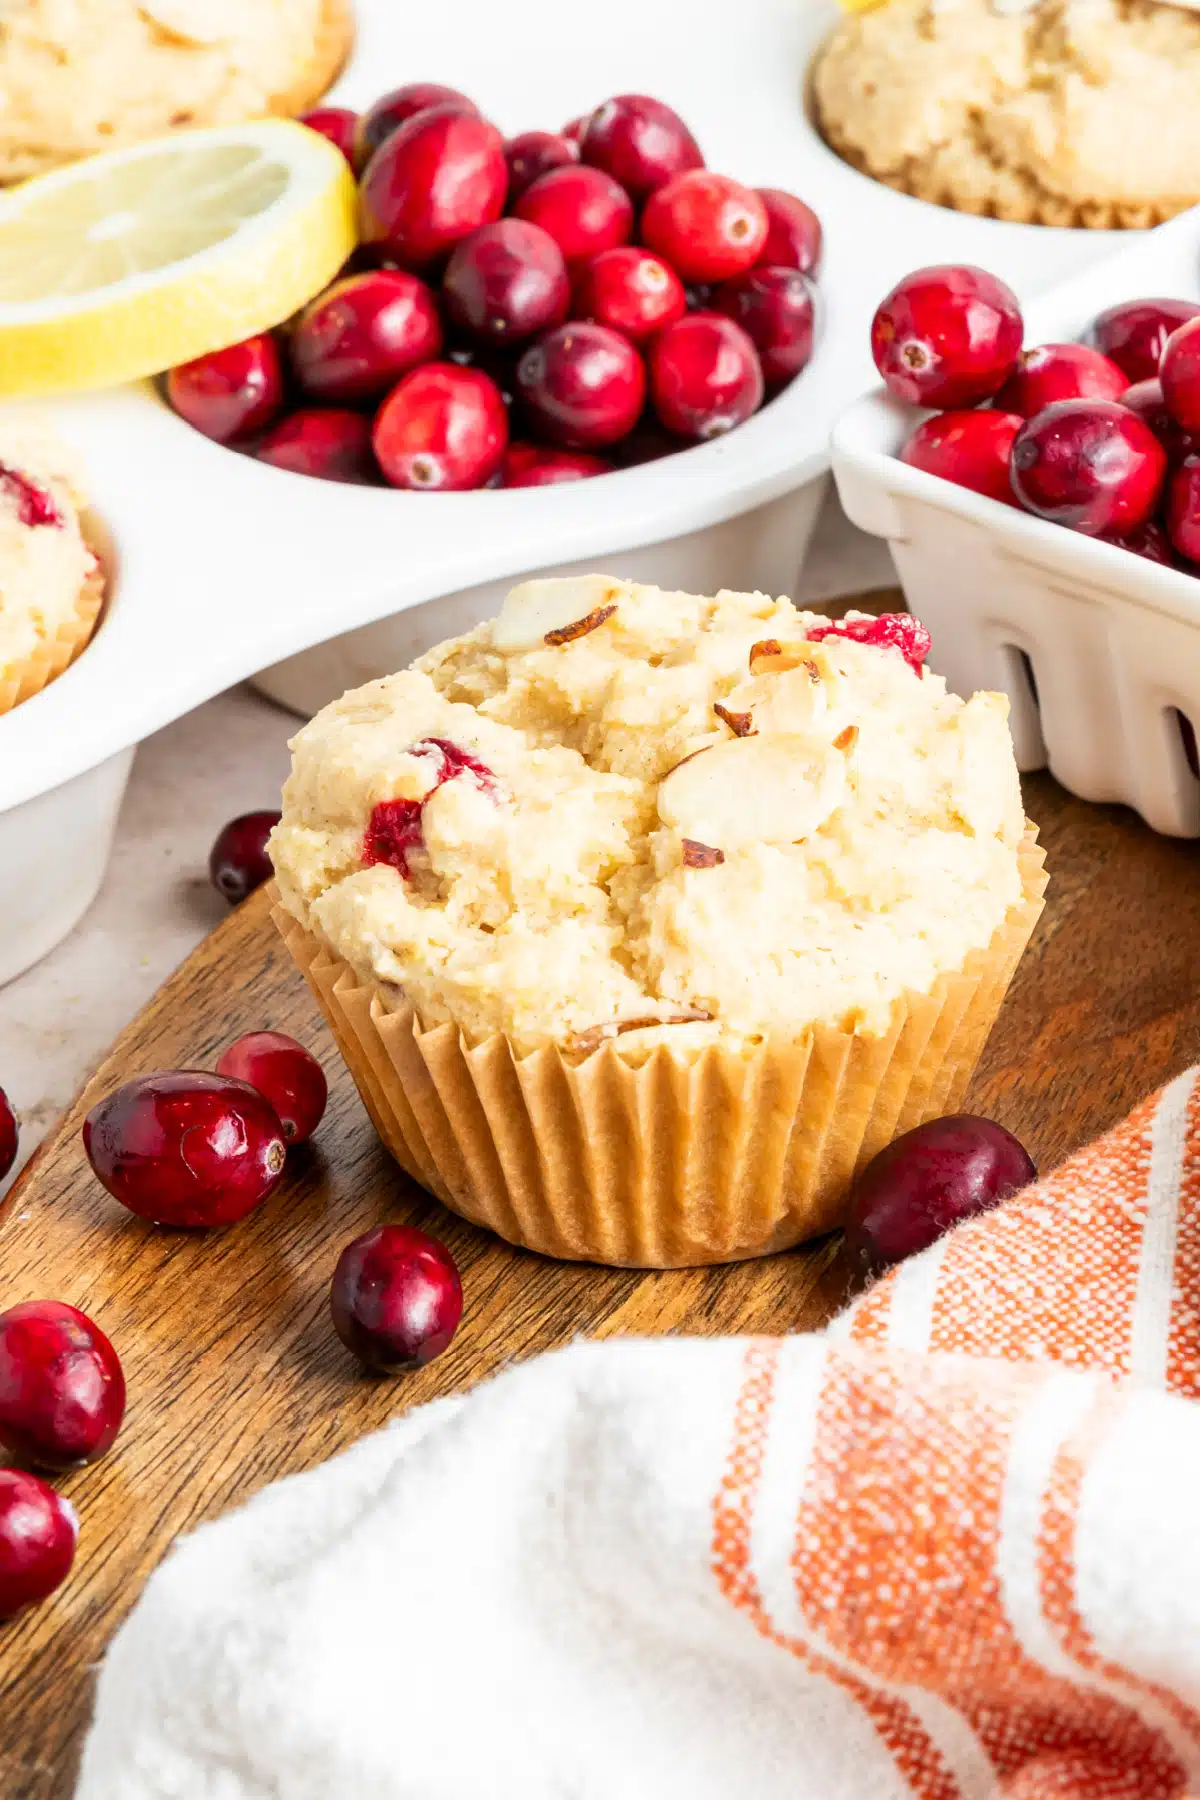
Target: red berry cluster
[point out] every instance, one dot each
(516, 308)
(186, 1148)
(1103, 437)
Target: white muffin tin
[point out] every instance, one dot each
(223, 567)
(1097, 649)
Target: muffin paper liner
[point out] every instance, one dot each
(22, 680)
(667, 1158)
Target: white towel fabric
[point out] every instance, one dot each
(947, 1548)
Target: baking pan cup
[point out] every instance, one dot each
(663, 1159)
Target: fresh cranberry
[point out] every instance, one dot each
(238, 861)
(38, 1534)
(535, 153)
(1149, 540)
(1059, 372)
(338, 124)
(574, 129)
(8, 1135)
(774, 307)
(396, 1297)
(506, 282)
(1091, 465)
(947, 336)
(629, 290)
(394, 833)
(354, 341)
(972, 449)
(326, 441)
(640, 142)
(1183, 508)
(926, 1182)
(584, 210)
(184, 1147)
(432, 182)
(1134, 334)
(231, 393)
(1145, 398)
(705, 376)
(529, 465)
(286, 1076)
(794, 239)
(706, 226)
(396, 108)
(1179, 373)
(583, 385)
(441, 427)
(62, 1392)
(888, 631)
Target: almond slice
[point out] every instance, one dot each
(595, 1035)
(567, 633)
(740, 723)
(770, 657)
(554, 611)
(846, 739)
(774, 789)
(700, 856)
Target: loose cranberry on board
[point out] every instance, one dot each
(183, 1147)
(926, 1182)
(238, 861)
(38, 1534)
(396, 1297)
(8, 1134)
(62, 1390)
(287, 1075)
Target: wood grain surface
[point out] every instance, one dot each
(235, 1375)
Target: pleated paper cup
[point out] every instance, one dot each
(22, 680)
(666, 1158)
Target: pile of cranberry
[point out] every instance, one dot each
(1103, 437)
(522, 313)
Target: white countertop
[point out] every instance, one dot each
(228, 757)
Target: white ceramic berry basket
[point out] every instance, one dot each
(1098, 650)
(223, 567)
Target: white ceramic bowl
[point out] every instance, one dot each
(226, 567)
(1098, 650)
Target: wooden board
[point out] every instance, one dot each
(235, 1375)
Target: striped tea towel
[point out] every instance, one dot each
(949, 1548)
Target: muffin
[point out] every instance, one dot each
(643, 919)
(51, 582)
(77, 79)
(1068, 112)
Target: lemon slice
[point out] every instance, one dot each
(125, 264)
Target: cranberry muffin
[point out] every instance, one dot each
(697, 899)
